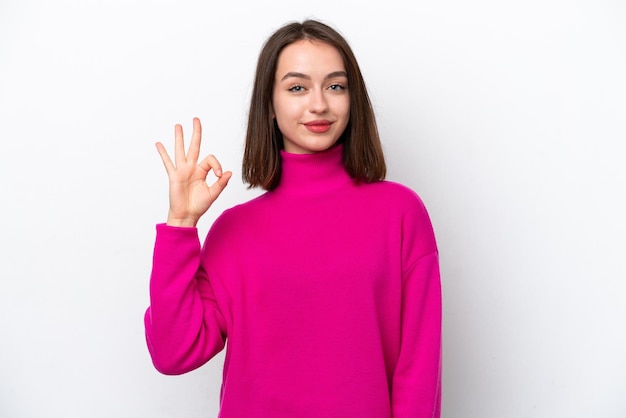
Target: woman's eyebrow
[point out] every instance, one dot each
(295, 74)
(336, 74)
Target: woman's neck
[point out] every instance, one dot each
(312, 173)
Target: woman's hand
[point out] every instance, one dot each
(190, 195)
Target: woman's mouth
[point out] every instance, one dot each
(318, 126)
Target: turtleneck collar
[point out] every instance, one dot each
(312, 173)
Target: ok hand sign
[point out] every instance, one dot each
(190, 195)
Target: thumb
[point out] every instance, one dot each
(220, 184)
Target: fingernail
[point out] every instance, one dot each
(218, 173)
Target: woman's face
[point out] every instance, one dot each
(310, 100)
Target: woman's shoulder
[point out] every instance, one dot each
(400, 193)
(240, 215)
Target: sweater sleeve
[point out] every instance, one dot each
(416, 386)
(184, 325)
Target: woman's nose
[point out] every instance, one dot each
(318, 103)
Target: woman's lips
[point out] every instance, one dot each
(318, 126)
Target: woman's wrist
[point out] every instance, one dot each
(181, 222)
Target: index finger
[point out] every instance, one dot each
(211, 163)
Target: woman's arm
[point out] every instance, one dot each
(184, 327)
(416, 385)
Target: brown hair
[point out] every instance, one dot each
(362, 151)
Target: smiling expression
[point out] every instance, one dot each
(310, 99)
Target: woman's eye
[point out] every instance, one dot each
(337, 87)
(296, 89)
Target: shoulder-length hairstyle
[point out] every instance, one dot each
(362, 151)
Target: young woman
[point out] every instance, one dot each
(326, 287)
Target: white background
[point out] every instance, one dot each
(508, 118)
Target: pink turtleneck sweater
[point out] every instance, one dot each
(327, 292)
